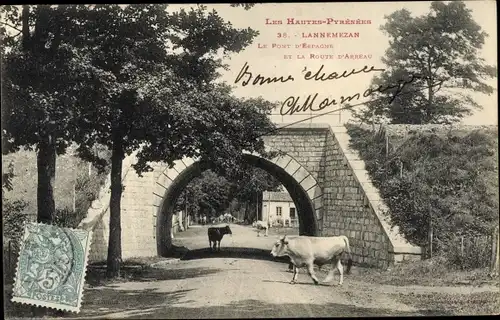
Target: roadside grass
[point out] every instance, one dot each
(480, 303)
(431, 272)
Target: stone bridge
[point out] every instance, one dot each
(327, 181)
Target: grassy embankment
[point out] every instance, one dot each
(452, 173)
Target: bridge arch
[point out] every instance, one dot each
(299, 182)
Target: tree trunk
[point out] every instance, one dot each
(46, 167)
(165, 248)
(26, 27)
(257, 211)
(430, 93)
(247, 218)
(115, 230)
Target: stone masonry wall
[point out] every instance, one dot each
(367, 225)
(304, 143)
(137, 226)
(347, 212)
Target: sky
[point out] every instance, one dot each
(271, 62)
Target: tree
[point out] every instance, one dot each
(44, 82)
(126, 77)
(207, 194)
(158, 96)
(249, 188)
(211, 194)
(434, 55)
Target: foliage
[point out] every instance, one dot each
(442, 49)
(13, 213)
(211, 194)
(66, 218)
(476, 254)
(45, 85)
(244, 5)
(453, 176)
(156, 69)
(127, 77)
(86, 190)
(216, 129)
(13, 216)
(206, 195)
(44, 79)
(255, 181)
(7, 178)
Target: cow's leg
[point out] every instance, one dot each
(310, 271)
(267, 229)
(295, 274)
(218, 245)
(340, 268)
(210, 244)
(329, 277)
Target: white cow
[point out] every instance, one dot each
(261, 225)
(305, 251)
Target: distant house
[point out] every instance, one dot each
(279, 208)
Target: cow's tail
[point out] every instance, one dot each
(348, 250)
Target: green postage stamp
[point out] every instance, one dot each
(51, 267)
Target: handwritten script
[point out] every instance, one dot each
(294, 104)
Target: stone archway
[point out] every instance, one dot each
(299, 182)
(347, 203)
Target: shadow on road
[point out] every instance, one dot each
(233, 252)
(96, 275)
(100, 302)
(260, 309)
(302, 283)
(127, 303)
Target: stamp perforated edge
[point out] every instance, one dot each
(55, 306)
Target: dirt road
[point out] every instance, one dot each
(227, 287)
(236, 284)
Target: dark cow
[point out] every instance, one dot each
(215, 235)
(307, 251)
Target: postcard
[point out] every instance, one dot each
(250, 160)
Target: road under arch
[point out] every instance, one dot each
(308, 224)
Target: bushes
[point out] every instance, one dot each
(13, 217)
(87, 190)
(13, 212)
(476, 253)
(450, 177)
